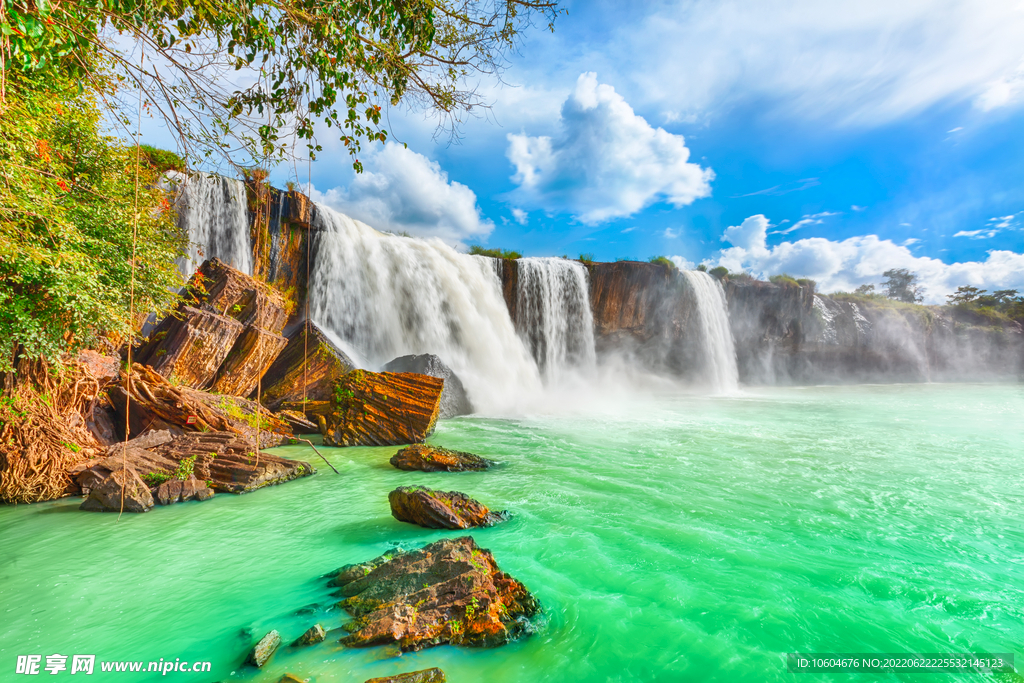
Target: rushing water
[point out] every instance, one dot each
(386, 296)
(719, 367)
(212, 212)
(553, 315)
(669, 537)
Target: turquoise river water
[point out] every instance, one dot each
(670, 537)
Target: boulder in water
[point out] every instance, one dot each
(121, 488)
(324, 363)
(451, 591)
(434, 675)
(382, 409)
(454, 400)
(314, 635)
(426, 458)
(440, 509)
(264, 650)
(179, 490)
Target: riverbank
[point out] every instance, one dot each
(676, 537)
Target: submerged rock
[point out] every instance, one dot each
(426, 458)
(440, 509)
(450, 591)
(291, 678)
(434, 675)
(122, 485)
(314, 635)
(264, 650)
(382, 409)
(179, 490)
(454, 400)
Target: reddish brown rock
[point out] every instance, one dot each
(382, 409)
(226, 459)
(426, 458)
(221, 289)
(121, 489)
(314, 635)
(189, 346)
(434, 675)
(440, 509)
(324, 363)
(450, 591)
(179, 490)
(102, 367)
(247, 361)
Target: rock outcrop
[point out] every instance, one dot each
(264, 650)
(454, 400)
(156, 404)
(440, 509)
(225, 459)
(434, 675)
(450, 591)
(382, 409)
(122, 488)
(225, 333)
(426, 458)
(315, 634)
(324, 363)
(179, 490)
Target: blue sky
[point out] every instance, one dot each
(828, 140)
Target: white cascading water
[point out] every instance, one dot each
(716, 336)
(212, 211)
(553, 315)
(386, 296)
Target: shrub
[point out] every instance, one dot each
(662, 261)
(161, 159)
(719, 272)
(783, 280)
(477, 250)
(586, 259)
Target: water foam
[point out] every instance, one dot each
(719, 363)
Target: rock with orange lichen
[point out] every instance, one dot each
(436, 459)
(382, 408)
(449, 592)
(440, 509)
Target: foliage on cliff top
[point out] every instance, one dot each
(252, 77)
(67, 193)
(979, 307)
(662, 261)
(477, 250)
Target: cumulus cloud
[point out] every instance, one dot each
(519, 216)
(605, 162)
(403, 191)
(846, 264)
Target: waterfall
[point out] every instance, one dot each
(212, 211)
(716, 337)
(385, 296)
(553, 314)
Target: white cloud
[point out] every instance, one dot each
(807, 219)
(909, 242)
(844, 265)
(977, 234)
(402, 191)
(629, 230)
(993, 226)
(670, 233)
(845, 61)
(682, 263)
(520, 216)
(854, 207)
(606, 162)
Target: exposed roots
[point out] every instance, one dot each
(43, 431)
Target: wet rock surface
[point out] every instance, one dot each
(179, 490)
(451, 591)
(434, 675)
(424, 458)
(264, 650)
(122, 486)
(324, 361)
(440, 509)
(382, 409)
(314, 635)
(454, 400)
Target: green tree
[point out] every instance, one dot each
(250, 78)
(964, 295)
(901, 285)
(67, 219)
